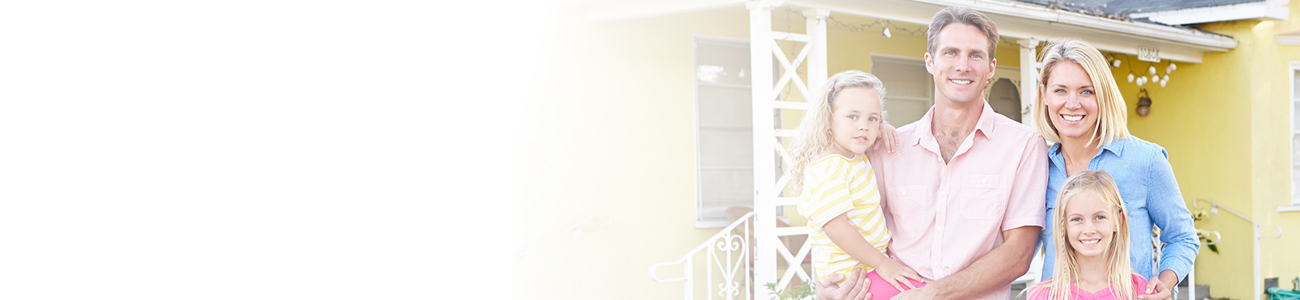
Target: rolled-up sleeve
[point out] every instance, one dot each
(1169, 212)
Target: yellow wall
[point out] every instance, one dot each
(612, 134)
(1225, 125)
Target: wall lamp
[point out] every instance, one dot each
(1144, 103)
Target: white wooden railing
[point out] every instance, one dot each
(729, 253)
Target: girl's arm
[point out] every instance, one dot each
(850, 240)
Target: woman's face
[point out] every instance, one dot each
(1071, 102)
(1089, 225)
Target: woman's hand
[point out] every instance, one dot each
(888, 136)
(1156, 290)
(897, 275)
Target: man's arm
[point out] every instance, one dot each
(856, 288)
(998, 268)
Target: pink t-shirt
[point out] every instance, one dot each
(1076, 293)
(945, 216)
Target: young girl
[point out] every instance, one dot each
(1092, 257)
(839, 195)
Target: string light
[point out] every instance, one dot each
(1149, 76)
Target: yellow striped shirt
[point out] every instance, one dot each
(836, 185)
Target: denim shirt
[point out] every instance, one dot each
(1146, 183)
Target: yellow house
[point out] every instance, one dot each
(637, 145)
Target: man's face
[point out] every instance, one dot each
(961, 64)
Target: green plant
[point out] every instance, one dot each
(1197, 216)
(804, 291)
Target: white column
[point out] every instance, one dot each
(760, 56)
(1028, 81)
(818, 69)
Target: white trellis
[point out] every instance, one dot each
(767, 135)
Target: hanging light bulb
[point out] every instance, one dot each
(1163, 82)
(1172, 66)
(1130, 77)
(1166, 78)
(1154, 78)
(1116, 64)
(887, 35)
(1141, 80)
(1151, 69)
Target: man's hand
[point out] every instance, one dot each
(854, 289)
(916, 293)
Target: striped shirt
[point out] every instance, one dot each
(836, 185)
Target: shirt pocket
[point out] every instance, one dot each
(983, 197)
(908, 209)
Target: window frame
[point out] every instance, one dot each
(706, 216)
(1291, 127)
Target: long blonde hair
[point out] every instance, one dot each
(1119, 270)
(1112, 118)
(814, 135)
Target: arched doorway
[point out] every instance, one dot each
(1004, 97)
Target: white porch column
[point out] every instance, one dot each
(760, 56)
(1028, 81)
(818, 69)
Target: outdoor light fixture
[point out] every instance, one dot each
(1144, 103)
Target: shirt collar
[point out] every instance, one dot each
(1115, 147)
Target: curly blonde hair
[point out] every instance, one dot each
(814, 135)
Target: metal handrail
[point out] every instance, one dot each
(1214, 209)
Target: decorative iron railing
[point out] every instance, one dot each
(729, 252)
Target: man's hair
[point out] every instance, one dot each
(961, 15)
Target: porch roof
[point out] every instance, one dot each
(1015, 20)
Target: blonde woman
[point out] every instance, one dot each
(1094, 249)
(838, 188)
(1080, 108)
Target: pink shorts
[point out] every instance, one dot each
(881, 290)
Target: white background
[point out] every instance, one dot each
(257, 149)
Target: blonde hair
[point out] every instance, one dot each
(1119, 270)
(961, 15)
(814, 135)
(1112, 118)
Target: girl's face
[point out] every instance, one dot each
(1089, 225)
(1071, 102)
(855, 120)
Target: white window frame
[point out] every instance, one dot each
(928, 89)
(1291, 126)
(712, 215)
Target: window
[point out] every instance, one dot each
(909, 87)
(724, 154)
(1295, 134)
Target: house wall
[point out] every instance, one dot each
(1225, 124)
(612, 134)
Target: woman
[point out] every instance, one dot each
(1081, 110)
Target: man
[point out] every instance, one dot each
(963, 190)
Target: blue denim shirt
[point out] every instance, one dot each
(1146, 183)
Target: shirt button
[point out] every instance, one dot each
(985, 181)
(904, 193)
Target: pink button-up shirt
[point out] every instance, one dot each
(945, 216)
